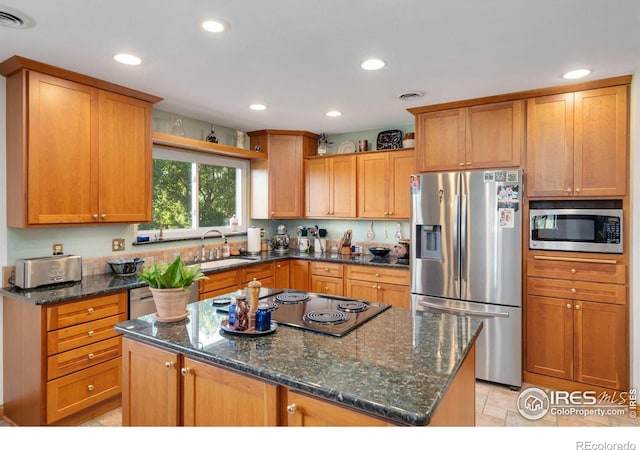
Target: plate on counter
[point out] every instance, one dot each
(347, 147)
(250, 332)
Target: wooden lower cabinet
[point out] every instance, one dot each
(326, 278)
(281, 274)
(378, 284)
(299, 275)
(218, 284)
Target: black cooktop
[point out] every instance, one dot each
(326, 314)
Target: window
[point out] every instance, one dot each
(195, 192)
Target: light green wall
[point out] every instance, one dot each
(370, 135)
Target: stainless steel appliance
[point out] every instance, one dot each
(141, 301)
(576, 230)
(466, 240)
(47, 270)
(281, 240)
(326, 314)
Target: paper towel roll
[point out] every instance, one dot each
(253, 240)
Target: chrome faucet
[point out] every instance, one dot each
(203, 252)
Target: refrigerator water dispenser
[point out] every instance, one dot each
(429, 242)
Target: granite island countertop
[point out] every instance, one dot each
(397, 366)
(110, 283)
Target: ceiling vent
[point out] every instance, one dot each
(12, 18)
(410, 95)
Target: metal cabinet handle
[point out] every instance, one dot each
(91, 387)
(90, 311)
(169, 364)
(292, 408)
(461, 164)
(90, 333)
(578, 190)
(377, 274)
(326, 269)
(573, 290)
(185, 371)
(91, 356)
(103, 216)
(573, 270)
(568, 190)
(577, 306)
(94, 217)
(568, 305)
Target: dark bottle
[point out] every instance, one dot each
(263, 318)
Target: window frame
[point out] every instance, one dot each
(242, 196)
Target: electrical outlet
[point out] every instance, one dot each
(57, 249)
(117, 245)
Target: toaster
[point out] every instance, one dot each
(46, 270)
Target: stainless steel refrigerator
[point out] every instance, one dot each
(466, 244)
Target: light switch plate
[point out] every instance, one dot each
(117, 245)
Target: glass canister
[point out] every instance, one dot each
(241, 314)
(263, 318)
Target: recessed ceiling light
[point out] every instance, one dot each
(333, 114)
(576, 74)
(373, 64)
(213, 26)
(257, 107)
(125, 58)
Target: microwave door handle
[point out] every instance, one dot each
(466, 312)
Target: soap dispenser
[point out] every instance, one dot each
(226, 251)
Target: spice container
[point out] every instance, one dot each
(263, 318)
(241, 314)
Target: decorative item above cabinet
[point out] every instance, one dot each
(78, 148)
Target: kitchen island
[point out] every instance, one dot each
(395, 369)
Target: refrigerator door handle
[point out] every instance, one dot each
(467, 312)
(463, 237)
(456, 231)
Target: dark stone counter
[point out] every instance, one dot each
(396, 366)
(109, 283)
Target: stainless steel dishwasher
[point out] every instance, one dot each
(141, 301)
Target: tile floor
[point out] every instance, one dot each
(495, 407)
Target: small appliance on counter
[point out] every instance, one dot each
(281, 240)
(47, 270)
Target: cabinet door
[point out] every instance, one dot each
(362, 290)
(394, 294)
(326, 285)
(550, 146)
(494, 135)
(317, 195)
(440, 140)
(401, 166)
(549, 336)
(600, 142)
(125, 159)
(63, 151)
(600, 345)
(213, 396)
(148, 369)
(282, 274)
(343, 187)
(299, 275)
(373, 178)
(285, 176)
(306, 411)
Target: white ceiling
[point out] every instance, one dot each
(301, 57)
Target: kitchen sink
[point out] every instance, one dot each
(222, 263)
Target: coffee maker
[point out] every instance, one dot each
(281, 240)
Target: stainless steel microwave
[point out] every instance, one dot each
(576, 230)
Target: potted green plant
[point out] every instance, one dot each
(170, 285)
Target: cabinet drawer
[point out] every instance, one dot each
(258, 271)
(326, 285)
(83, 357)
(378, 274)
(223, 280)
(579, 269)
(577, 290)
(326, 269)
(72, 393)
(82, 311)
(83, 334)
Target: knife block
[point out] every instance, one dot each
(345, 250)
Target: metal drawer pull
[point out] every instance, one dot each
(185, 371)
(90, 311)
(577, 306)
(573, 290)
(169, 364)
(90, 387)
(568, 305)
(292, 408)
(91, 356)
(90, 333)
(573, 270)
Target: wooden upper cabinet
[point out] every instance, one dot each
(277, 184)
(77, 153)
(474, 137)
(330, 187)
(577, 144)
(383, 184)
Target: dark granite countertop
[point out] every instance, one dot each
(397, 365)
(110, 283)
